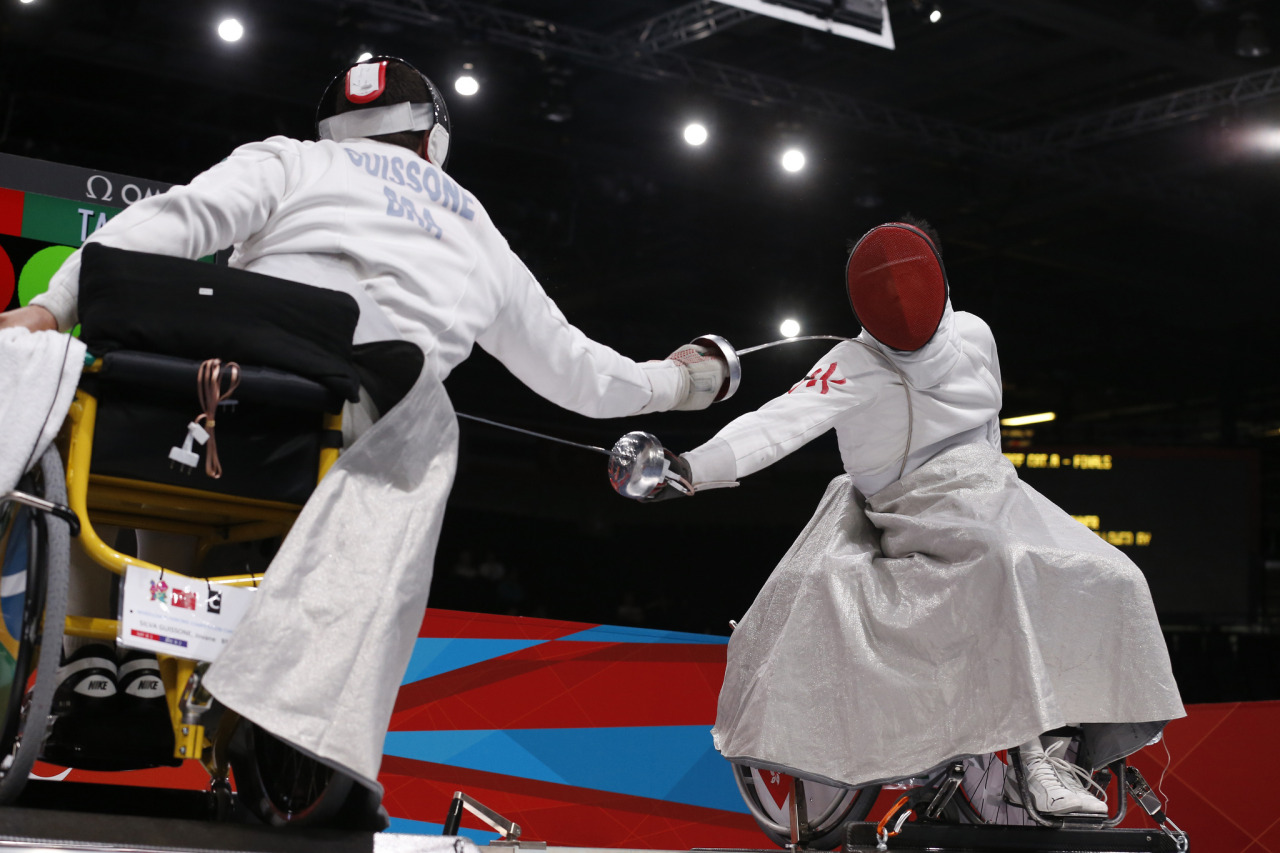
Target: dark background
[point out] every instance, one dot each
(1098, 171)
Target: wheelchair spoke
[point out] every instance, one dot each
(34, 553)
(292, 781)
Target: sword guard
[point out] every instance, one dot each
(637, 465)
(729, 355)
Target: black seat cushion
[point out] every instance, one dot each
(140, 301)
(269, 453)
(269, 431)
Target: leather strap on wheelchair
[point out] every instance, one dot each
(209, 390)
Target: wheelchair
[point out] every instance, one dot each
(153, 327)
(959, 806)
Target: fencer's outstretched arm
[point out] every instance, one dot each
(221, 206)
(837, 385)
(532, 338)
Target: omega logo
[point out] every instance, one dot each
(129, 193)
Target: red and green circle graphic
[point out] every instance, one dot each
(36, 272)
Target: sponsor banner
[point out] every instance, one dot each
(74, 182)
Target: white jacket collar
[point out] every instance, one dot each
(928, 365)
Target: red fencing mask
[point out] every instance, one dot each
(897, 286)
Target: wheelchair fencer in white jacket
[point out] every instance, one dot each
(319, 657)
(935, 606)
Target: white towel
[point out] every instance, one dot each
(38, 376)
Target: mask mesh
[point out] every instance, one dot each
(897, 286)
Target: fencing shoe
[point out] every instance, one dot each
(1075, 777)
(84, 709)
(1057, 786)
(144, 714)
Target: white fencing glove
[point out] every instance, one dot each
(708, 375)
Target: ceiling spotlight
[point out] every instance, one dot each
(1266, 140)
(466, 85)
(24, 2)
(935, 15)
(789, 328)
(364, 57)
(695, 134)
(230, 30)
(793, 160)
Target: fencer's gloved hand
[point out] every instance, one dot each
(707, 372)
(677, 483)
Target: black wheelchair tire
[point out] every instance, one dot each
(282, 786)
(828, 837)
(45, 611)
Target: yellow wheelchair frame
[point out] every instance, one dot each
(213, 518)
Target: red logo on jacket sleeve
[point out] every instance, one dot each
(825, 379)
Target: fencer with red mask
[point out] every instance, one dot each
(935, 606)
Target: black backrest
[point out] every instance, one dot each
(174, 306)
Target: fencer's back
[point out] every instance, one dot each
(415, 248)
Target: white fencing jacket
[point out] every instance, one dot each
(955, 394)
(319, 656)
(952, 611)
(417, 251)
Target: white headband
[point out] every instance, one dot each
(378, 121)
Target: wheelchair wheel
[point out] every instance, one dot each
(980, 799)
(829, 808)
(282, 786)
(35, 549)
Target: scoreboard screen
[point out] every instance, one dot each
(1188, 517)
(47, 210)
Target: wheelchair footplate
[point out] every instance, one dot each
(1064, 834)
(946, 837)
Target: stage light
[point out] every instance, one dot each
(931, 11)
(466, 85)
(793, 160)
(364, 57)
(695, 134)
(230, 30)
(1266, 140)
(1023, 420)
(789, 328)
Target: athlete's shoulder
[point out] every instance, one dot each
(281, 147)
(278, 143)
(857, 354)
(972, 327)
(976, 337)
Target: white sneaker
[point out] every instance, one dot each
(1057, 787)
(1075, 777)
